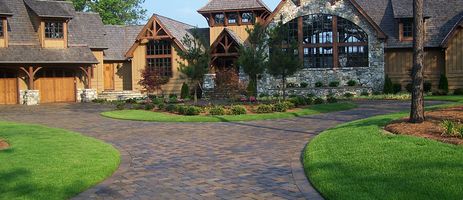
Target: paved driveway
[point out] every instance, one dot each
(249, 160)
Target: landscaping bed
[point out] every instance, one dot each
(443, 125)
(49, 163)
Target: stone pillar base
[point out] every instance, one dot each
(30, 97)
(88, 95)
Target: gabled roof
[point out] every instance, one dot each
(404, 9)
(221, 5)
(453, 32)
(87, 29)
(224, 33)
(176, 30)
(34, 54)
(4, 10)
(119, 40)
(49, 8)
(22, 29)
(234, 36)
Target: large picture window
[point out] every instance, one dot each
(159, 47)
(54, 30)
(329, 41)
(159, 56)
(162, 65)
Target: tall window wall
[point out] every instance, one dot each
(328, 41)
(159, 56)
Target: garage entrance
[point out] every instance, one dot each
(56, 85)
(8, 87)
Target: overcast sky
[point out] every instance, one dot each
(185, 10)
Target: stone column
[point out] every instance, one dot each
(88, 95)
(31, 97)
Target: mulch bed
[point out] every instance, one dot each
(3, 145)
(431, 128)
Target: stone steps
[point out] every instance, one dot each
(119, 95)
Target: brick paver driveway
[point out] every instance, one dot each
(249, 160)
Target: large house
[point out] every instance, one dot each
(51, 53)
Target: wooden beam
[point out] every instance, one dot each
(300, 37)
(335, 43)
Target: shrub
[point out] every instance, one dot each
(450, 128)
(319, 101)
(181, 110)
(444, 84)
(352, 83)
(298, 101)
(152, 80)
(348, 95)
(409, 88)
(192, 110)
(289, 105)
(331, 99)
(309, 100)
(280, 107)
(171, 108)
(263, 95)
(427, 86)
(397, 87)
(150, 106)
(334, 84)
(291, 85)
(376, 93)
(458, 91)
(120, 106)
(251, 89)
(264, 108)
(185, 92)
(131, 101)
(388, 86)
(318, 84)
(365, 93)
(304, 85)
(99, 101)
(217, 110)
(311, 95)
(238, 110)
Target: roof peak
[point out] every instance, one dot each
(223, 5)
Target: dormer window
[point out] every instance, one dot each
(219, 18)
(232, 18)
(247, 18)
(406, 29)
(54, 30)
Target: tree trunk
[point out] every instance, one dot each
(417, 108)
(284, 87)
(196, 95)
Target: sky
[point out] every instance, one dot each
(186, 10)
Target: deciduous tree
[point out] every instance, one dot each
(152, 80)
(116, 12)
(417, 108)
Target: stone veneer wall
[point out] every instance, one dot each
(371, 77)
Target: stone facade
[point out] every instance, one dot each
(29, 97)
(371, 77)
(86, 95)
(323, 92)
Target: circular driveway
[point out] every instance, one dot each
(249, 160)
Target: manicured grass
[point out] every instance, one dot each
(454, 98)
(141, 115)
(359, 161)
(47, 163)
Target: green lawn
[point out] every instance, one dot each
(141, 115)
(47, 163)
(358, 161)
(453, 98)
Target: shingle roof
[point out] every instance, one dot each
(178, 29)
(47, 8)
(87, 29)
(219, 5)
(119, 40)
(4, 10)
(22, 29)
(34, 54)
(443, 15)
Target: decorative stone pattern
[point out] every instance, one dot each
(324, 91)
(29, 97)
(209, 82)
(86, 95)
(370, 77)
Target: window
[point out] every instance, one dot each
(324, 49)
(232, 18)
(54, 30)
(163, 65)
(1, 28)
(407, 29)
(158, 47)
(292, 31)
(219, 18)
(247, 18)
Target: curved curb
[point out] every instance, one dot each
(124, 166)
(301, 180)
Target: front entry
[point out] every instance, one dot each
(56, 85)
(8, 87)
(108, 77)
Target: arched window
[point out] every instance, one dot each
(328, 41)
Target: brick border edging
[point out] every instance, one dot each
(300, 179)
(124, 166)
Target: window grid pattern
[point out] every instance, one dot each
(247, 17)
(292, 31)
(407, 29)
(219, 18)
(54, 30)
(330, 41)
(159, 47)
(162, 65)
(232, 18)
(1, 28)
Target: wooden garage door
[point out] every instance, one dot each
(8, 87)
(56, 86)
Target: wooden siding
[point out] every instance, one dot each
(139, 63)
(122, 75)
(8, 91)
(56, 90)
(98, 75)
(398, 65)
(4, 39)
(240, 31)
(454, 61)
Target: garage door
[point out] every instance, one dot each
(8, 87)
(56, 86)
